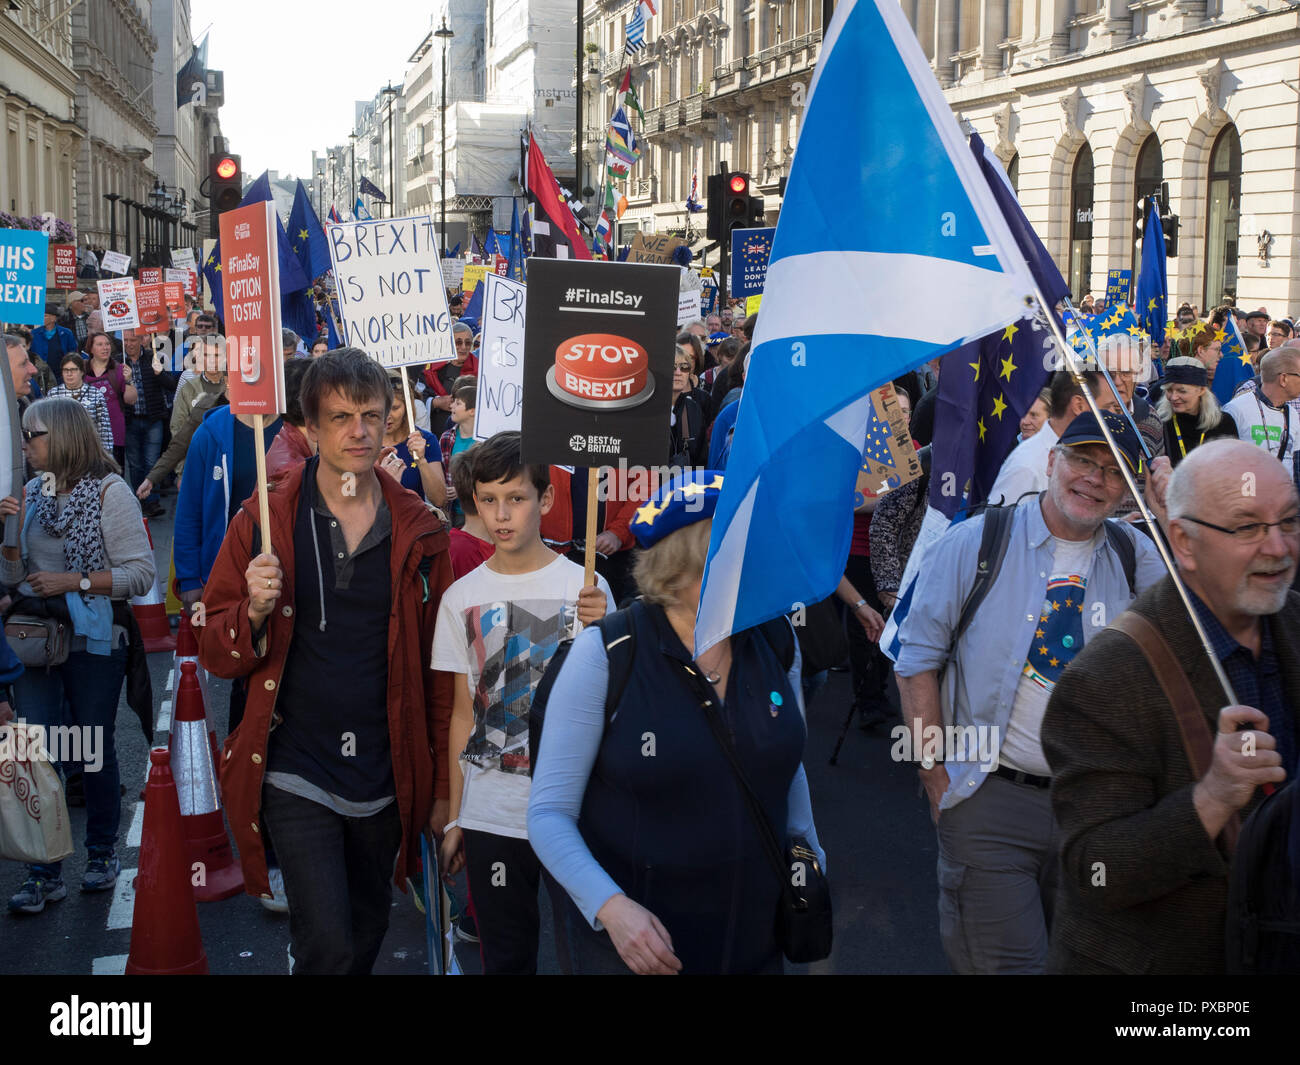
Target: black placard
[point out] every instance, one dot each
(598, 362)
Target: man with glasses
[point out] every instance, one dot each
(1278, 334)
(1144, 843)
(1065, 574)
(1266, 416)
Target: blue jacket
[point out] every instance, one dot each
(41, 344)
(203, 505)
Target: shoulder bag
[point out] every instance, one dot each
(803, 928)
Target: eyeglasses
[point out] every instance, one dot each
(1253, 532)
(32, 434)
(1113, 476)
(685, 367)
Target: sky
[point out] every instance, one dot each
(293, 70)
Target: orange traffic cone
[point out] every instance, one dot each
(196, 787)
(151, 614)
(200, 802)
(187, 650)
(165, 937)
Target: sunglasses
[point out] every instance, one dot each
(32, 434)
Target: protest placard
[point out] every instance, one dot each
(149, 275)
(889, 459)
(598, 362)
(688, 307)
(453, 272)
(1118, 283)
(117, 303)
(653, 248)
(750, 251)
(183, 277)
(250, 279)
(183, 259)
(65, 265)
(24, 259)
(501, 358)
(752, 303)
(114, 262)
(390, 289)
(151, 307)
(500, 265)
(471, 276)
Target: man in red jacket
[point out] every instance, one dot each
(341, 754)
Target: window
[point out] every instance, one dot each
(1013, 173)
(1147, 181)
(1223, 215)
(1081, 192)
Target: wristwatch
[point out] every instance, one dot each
(84, 583)
(927, 762)
(859, 605)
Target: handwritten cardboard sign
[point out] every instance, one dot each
(114, 262)
(501, 358)
(889, 459)
(472, 275)
(390, 289)
(653, 248)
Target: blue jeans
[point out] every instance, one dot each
(90, 685)
(144, 440)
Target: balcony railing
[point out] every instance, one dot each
(640, 188)
(692, 108)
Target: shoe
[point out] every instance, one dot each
(280, 902)
(466, 928)
(74, 790)
(153, 510)
(35, 893)
(102, 868)
(873, 714)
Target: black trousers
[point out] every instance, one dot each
(504, 875)
(338, 876)
(870, 668)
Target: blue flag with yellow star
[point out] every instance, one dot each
(1152, 297)
(985, 388)
(1235, 366)
(1118, 320)
(307, 236)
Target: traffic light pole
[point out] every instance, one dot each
(724, 254)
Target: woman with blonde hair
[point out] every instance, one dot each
(1188, 409)
(661, 859)
(84, 552)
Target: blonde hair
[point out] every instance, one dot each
(75, 449)
(675, 562)
(1209, 411)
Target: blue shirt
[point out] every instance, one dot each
(979, 687)
(1257, 682)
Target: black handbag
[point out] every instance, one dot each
(804, 927)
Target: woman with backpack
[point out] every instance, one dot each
(638, 810)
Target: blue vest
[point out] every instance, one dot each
(671, 827)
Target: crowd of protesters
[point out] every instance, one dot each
(432, 577)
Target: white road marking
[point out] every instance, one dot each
(110, 965)
(164, 716)
(123, 907)
(135, 832)
(171, 679)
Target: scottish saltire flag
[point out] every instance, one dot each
(621, 153)
(926, 224)
(369, 188)
(1152, 299)
(515, 271)
(307, 236)
(359, 212)
(1235, 366)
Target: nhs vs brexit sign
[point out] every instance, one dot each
(24, 256)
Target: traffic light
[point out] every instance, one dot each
(225, 188)
(713, 219)
(1169, 223)
(735, 203)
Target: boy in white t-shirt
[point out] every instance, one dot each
(498, 627)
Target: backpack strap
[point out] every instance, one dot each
(780, 637)
(618, 632)
(1198, 743)
(1122, 543)
(994, 538)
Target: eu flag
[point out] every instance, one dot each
(491, 246)
(1153, 287)
(1235, 366)
(307, 236)
(516, 270)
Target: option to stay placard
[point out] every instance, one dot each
(390, 289)
(598, 362)
(250, 279)
(501, 358)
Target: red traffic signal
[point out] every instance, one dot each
(227, 168)
(739, 184)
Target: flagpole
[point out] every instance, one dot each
(1073, 365)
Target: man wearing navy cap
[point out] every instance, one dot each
(1065, 574)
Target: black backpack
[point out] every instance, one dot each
(1263, 932)
(618, 631)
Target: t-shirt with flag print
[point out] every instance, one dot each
(1058, 637)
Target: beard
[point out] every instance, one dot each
(1259, 602)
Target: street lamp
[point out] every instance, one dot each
(112, 198)
(352, 153)
(445, 32)
(389, 92)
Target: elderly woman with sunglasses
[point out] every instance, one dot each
(84, 552)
